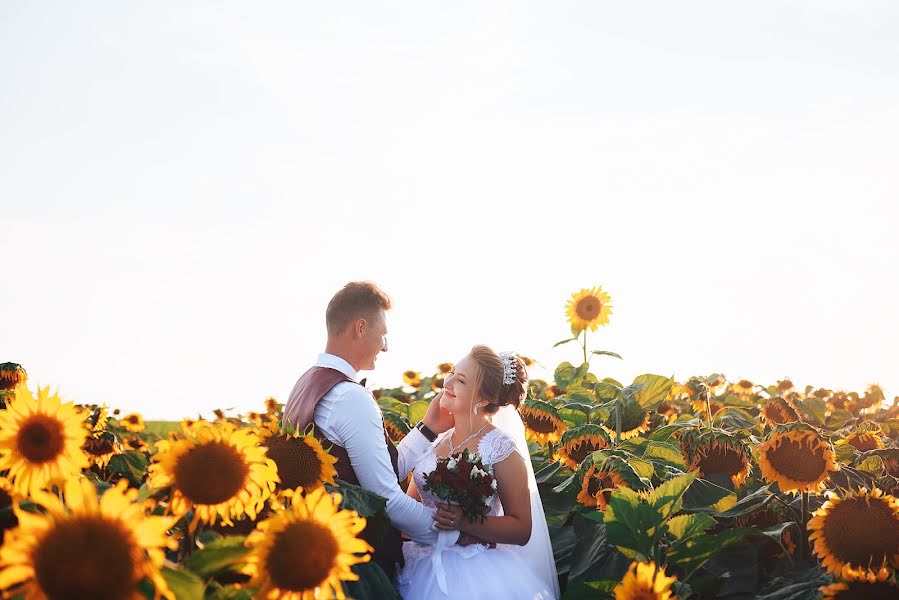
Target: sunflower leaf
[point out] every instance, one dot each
(655, 389)
(218, 555)
(607, 353)
(683, 527)
(185, 584)
(632, 523)
(557, 344)
(131, 464)
(667, 499)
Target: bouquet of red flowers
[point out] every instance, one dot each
(465, 481)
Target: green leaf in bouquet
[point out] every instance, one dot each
(667, 498)
(654, 390)
(683, 527)
(131, 464)
(217, 556)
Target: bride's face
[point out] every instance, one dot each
(459, 387)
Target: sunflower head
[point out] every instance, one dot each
(40, 440)
(717, 453)
(599, 481)
(272, 406)
(12, 375)
(864, 441)
(743, 388)
(301, 461)
(219, 471)
(95, 418)
(412, 378)
(541, 421)
(444, 368)
(117, 544)
(132, 422)
(306, 550)
(135, 443)
(99, 449)
(874, 396)
(783, 386)
(580, 442)
(588, 309)
(843, 401)
(778, 411)
(634, 420)
(396, 427)
(857, 534)
(797, 458)
(644, 581)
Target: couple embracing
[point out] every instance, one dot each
(446, 556)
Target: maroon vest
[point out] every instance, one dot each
(309, 389)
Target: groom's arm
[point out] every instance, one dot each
(357, 426)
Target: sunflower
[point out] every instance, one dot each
(217, 470)
(412, 378)
(301, 461)
(271, 406)
(553, 391)
(857, 534)
(634, 420)
(133, 422)
(645, 581)
(95, 418)
(396, 427)
(40, 440)
(89, 547)
(588, 309)
(783, 386)
(8, 496)
(843, 401)
(797, 458)
(699, 406)
(541, 421)
(597, 486)
(444, 368)
(718, 453)
(878, 589)
(873, 396)
(135, 443)
(305, 551)
(12, 375)
(99, 449)
(778, 411)
(579, 443)
(743, 388)
(437, 383)
(865, 440)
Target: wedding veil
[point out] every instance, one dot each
(538, 552)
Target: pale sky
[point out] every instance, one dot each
(183, 186)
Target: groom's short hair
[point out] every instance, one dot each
(356, 299)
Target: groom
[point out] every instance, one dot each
(346, 415)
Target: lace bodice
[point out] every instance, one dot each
(495, 446)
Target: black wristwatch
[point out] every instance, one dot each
(426, 431)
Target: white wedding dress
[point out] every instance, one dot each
(449, 571)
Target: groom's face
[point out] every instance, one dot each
(373, 340)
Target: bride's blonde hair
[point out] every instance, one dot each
(489, 381)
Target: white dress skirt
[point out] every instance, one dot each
(468, 572)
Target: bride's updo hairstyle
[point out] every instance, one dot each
(490, 380)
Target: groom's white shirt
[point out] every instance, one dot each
(349, 416)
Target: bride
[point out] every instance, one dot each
(509, 555)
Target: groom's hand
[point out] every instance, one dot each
(438, 419)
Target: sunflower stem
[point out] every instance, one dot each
(618, 423)
(585, 347)
(803, 535)
(708, 408)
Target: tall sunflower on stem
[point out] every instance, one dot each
(588, 309)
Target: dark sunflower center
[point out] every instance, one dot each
(211, 473)
(301, 556)
(40, 438)
(797, 461)
(578, 451)
(539, 423)
(298, 464)
(588, 308)
(630, 420)
(779, 413)
(862, 531)
(721, 459)
(642, 593)
(86, 558)
(132, 420)
(98, 446)
(861, 590)
(863, 442)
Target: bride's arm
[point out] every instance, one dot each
(514, 527)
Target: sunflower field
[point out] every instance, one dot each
(702, 488)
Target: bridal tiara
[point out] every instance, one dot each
(510, 366)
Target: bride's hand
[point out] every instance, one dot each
(437, 418)
(448, 517)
